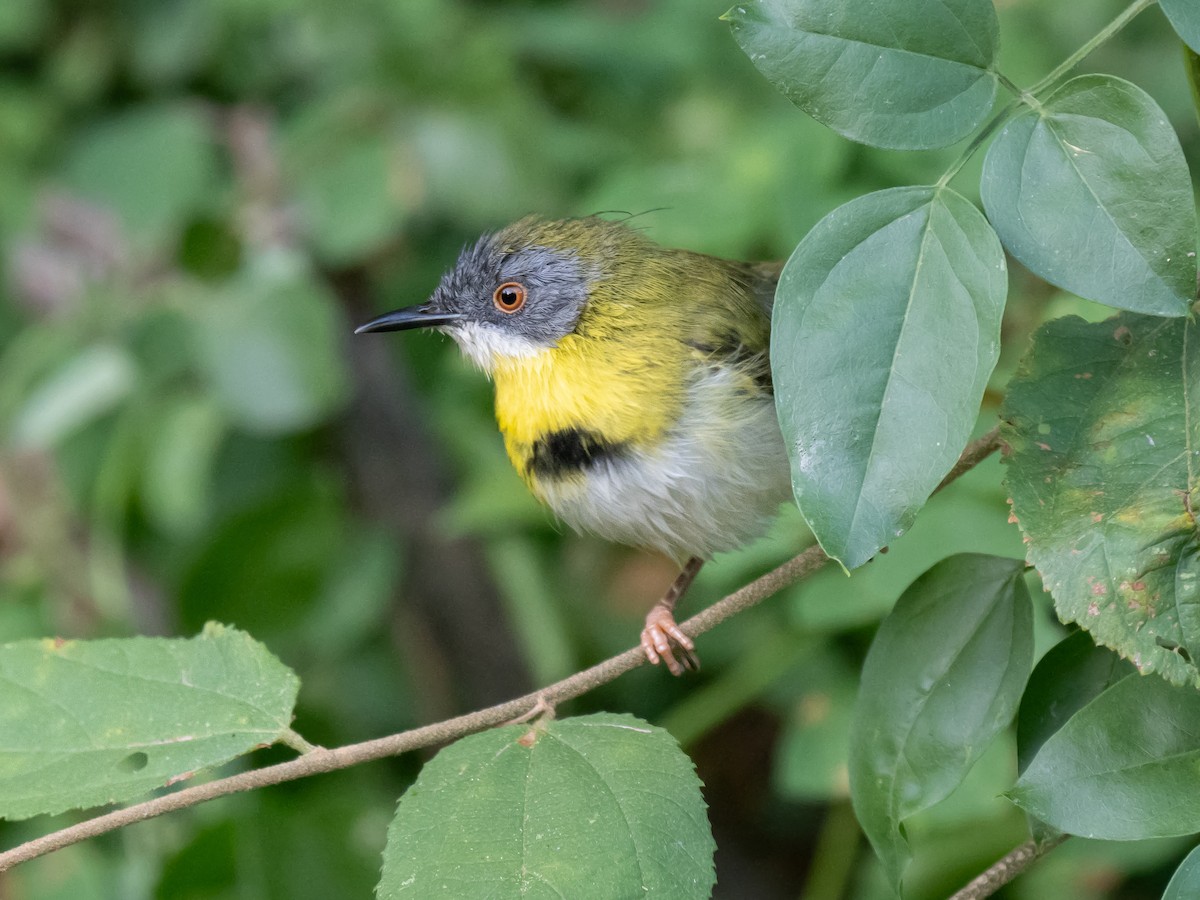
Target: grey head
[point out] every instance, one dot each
(513, 293)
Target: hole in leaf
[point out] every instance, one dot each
(134, 762)
(1174, 648)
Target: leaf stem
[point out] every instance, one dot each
(319, 759)
(1029, 97)
(297, 742)
(986, 132)
(1005, 869)
(1004, 80)
(1100, 37)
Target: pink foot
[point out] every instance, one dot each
(662, 640)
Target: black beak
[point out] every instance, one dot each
(409, 317)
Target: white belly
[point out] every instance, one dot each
(714, 483)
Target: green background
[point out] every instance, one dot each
(199, 199)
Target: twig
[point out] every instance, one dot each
(1005, 869)
(319, 760)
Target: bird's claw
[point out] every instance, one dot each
(663, 641)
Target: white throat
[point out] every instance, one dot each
(487, 346)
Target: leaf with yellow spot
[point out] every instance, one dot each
(1103, 421)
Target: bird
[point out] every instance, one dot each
(632, 385)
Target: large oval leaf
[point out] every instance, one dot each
(556, 810)
(84, 723)
(886, 327)
(1104, 424)
(942, 679)
(1073, 673)
(1185, 883)
(1184, 16)
(905, 74)
(1091, 191)
(1070, 676)
(1123, 768)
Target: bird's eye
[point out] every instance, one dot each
(509, 297)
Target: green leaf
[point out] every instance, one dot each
(154, 166)
(84, 723)
(904, 74)
(1091, 191)
(1184, 16)
(88, 386)
(1191, 63)
(181, 453)
(269, 348)
(1185, 883)
(1104, 429)
(553, 810)
(886, 327)
(1073, 673)
(22, 22)
(347, 205)
(941, 680)
(1123, 768)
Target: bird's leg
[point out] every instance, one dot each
(662, 638)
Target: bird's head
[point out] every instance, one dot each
(521, 290)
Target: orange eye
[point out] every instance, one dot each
(509, 297)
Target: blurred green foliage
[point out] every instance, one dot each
(200, 198)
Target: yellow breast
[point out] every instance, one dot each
(617, 392)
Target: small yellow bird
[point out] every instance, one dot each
(633, 388)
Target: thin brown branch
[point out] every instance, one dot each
(1005, 869)
(320, 760)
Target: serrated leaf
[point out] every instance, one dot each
(904, 74)
(885, 329)
(1072, 673)
(1185, 883)
(553, 810)
(941, 680)
(1103, 421)
(1123, 768)
(1184, 16)
(1091, 191)
(84, 723)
